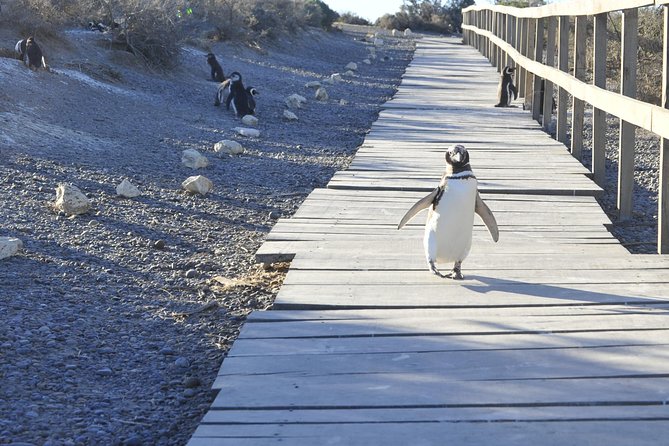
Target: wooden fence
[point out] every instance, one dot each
(525, 37)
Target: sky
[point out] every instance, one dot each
(373, 9)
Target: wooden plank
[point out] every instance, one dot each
(663, 189)
(599, 124)
(547, 114)
(563, 65)
(546, 433)
(538, 57)
(573, 8)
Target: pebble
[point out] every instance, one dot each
(105, 371)
(182, 362)
(159, 244)
(191, 274)
(191, 381)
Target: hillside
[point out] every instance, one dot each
(107, 336)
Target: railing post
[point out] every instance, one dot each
(580, 36)
(599, 116)
(493, 47)
(500, 33)
(510, 35)
(522, 47)
(663, 199)
(550, 61)
(563, 65)
(538, 56)
(628, 57)
(529, 77)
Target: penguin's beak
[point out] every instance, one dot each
(457, 157)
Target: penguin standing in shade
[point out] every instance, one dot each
(448, 231)
(506, 88)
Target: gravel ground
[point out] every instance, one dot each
(114, 324)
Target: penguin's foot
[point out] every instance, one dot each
(456, 274)
(435, 271)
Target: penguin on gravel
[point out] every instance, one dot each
(448, 231)
(506, 88)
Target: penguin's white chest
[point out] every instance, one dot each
(448, 231)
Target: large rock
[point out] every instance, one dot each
(193, 159)
(336, 77)
(312, 84)
(127, 189)
(351, 66)
(322, 94)
(349, 73)
(228, 147)
(71, 200)
(367, 62)
(245, 131)
(198, 184)
(250, 120)
(295, 101)
(289, 115)
(9, 246)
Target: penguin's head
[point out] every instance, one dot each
(457, 156)
(252, 91)
(509, 70)
(235, 77)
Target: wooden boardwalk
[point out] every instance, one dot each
(558, 336)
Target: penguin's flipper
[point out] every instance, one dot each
(514, 90)
(485, 213)
(423, 203)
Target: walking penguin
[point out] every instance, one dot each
(448, 230)
(506, 88)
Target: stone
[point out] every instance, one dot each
(127, 189)
(289, 115)
(70, 200)
(322, 94)
(274, 215)
(191, 274)
(182, 362)
(394, 32)
(159, 244)
(198, 184)
(250, 120)
(408, 32)
(336, 77)
(191, 382)
(372, 56)
(133, 440)
(295, 101)
(349, 73)
(245, 131)
(312, 84)
(351, 66)
(328, 81)
(343, 102)
(9, 246)
(193, 159)
(228, 147)
(378, 42)
(105, 371)
(367, 62)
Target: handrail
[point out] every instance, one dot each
(508, 35)
(571, 8)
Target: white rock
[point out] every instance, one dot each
(349, 73)
(193, 159)
(295, 101)
(351, 66)
(328, 81)
(250, 120)
(312, 84)
(378, 42)
(322, 94)
(228, 147)
(71, 200)
(407, 32)
(198, 184)
(394, 32)
(336, 77)
(127, 189)
(289, 115)
(245, 131)
(9, 246)
(367, 62)
(343, 102)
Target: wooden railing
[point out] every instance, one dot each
(523, 37)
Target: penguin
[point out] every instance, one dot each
(448, 230)
(238, 96)
(20, 48)
(222, 90)
(216, 70)
(34, 53)
(252, 92)
(506, 88)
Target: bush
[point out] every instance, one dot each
(353, 19)
(427, 15)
